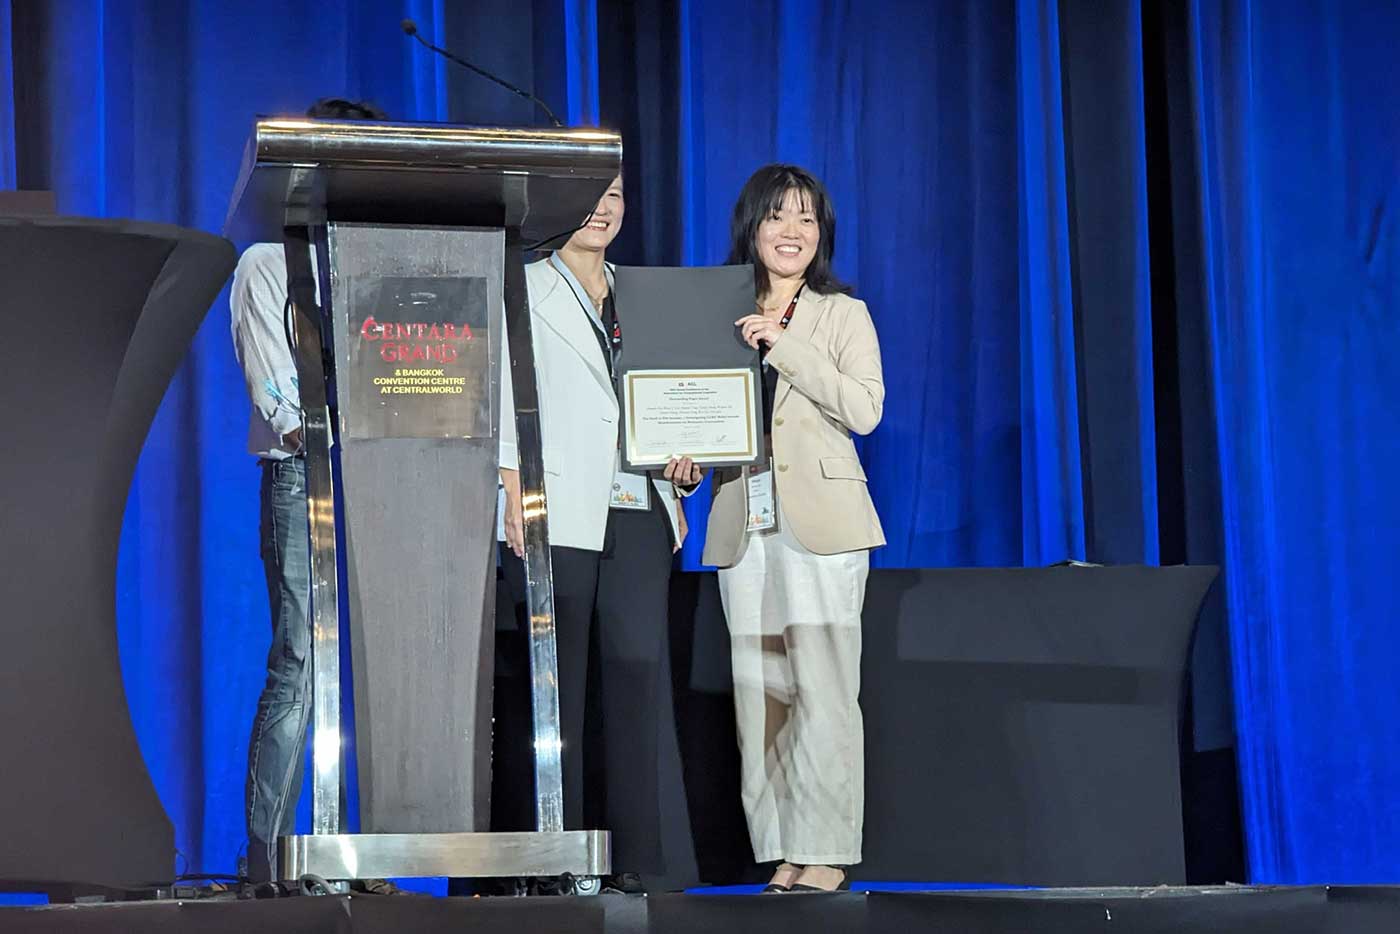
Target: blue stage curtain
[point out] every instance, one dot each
(912, 116)
(8, 169)
(1298, 142)
(938, 129)
(1082, 359)
(1052, 486)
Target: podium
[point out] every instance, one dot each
(403, 244)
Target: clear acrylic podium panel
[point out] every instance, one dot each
(415, 325)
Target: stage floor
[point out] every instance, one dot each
(1234, 910)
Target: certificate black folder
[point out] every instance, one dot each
(682, 318)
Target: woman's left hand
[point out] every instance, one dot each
(755, 328)
(683, 472)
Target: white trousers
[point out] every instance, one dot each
(795, 640)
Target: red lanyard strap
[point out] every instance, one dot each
(787, 315)
(786, 320)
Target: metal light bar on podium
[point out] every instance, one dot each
(532, 180)
(403, 244)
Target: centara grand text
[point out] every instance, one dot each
(410, 342)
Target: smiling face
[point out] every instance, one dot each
(788, 237)
(604, 223)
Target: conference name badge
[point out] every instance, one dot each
(500, 513)
(762, 497)
(630, 491)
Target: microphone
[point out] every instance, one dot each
(410, 28)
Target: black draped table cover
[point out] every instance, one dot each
(1021, 724)
(106, 310)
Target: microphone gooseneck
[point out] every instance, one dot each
(410, 28)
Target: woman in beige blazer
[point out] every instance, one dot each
(793, 589)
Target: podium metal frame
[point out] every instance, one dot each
(298, 177)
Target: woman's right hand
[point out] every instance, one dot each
(515, 517)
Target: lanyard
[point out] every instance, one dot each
(787, 315)
(786, 319)
(612, 324)
(606, 322)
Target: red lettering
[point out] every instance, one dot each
(398, 335)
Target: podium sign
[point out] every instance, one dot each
(419, 362)
(404, 243)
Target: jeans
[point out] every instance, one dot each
(276, 751)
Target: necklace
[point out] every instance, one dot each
(772, 311)
(598, 299)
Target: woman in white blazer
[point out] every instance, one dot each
(611, 540)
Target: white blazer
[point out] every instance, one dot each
(578, 413)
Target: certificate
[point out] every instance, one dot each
(708, 415)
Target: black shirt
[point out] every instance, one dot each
(770, 374)
(609, 316)
(770, 396)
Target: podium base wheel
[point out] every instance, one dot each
(580, 885)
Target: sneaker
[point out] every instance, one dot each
(624, 883)
(377, 887)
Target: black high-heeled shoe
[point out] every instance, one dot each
(774, 888)
(843, 886)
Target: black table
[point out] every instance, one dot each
(1021, 724)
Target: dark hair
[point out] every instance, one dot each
(762, 195)
(338, 108)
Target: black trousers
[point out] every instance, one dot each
(621, 756)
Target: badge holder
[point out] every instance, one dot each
(630, 491)
(762, 497)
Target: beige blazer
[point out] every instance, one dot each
(830, 384)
